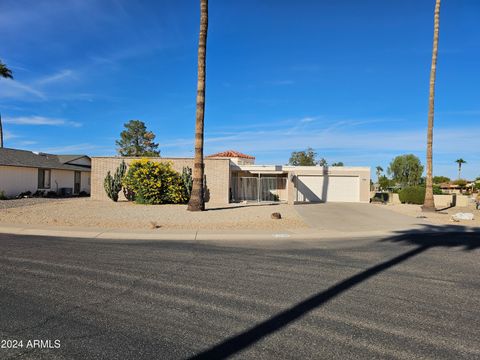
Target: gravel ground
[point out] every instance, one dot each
(15, 203)
(85, 212)
(439, 217)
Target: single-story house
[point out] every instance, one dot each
(22, 171)
(233, 177)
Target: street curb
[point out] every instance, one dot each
(204, 235)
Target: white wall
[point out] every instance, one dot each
(15, 180)
(61, 179)
(85, 182)
(65, 179)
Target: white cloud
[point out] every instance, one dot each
(83, 148)
(40, 120)
(7, 135)
(57, 77)
(17, 90)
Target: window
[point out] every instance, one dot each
(44, 176)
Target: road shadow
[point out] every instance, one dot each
(430, 236)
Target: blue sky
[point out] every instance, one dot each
(348, 78)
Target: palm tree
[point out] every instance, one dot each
(379, 172)
(7, 74)
(460, 162)
(197, 200)
(429, 203)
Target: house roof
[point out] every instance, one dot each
(24, 158)
(68, 158)
(231, 154)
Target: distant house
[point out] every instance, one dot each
(22, 171)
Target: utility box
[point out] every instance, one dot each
(66, 191)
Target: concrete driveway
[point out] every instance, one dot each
(355, 217)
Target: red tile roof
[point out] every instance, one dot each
(231, 154)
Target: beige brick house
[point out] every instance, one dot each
(233, 177)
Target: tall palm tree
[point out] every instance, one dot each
(429, 204)
(460, 162)
(379, 172)
(6, 73)
(197, 200)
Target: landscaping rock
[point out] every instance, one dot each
(462, 216)
(276, 215)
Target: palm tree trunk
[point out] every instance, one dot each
(1, 132)
(197, 200)
(429, 204)
(459, 171)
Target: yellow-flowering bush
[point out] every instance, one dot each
(155, 183)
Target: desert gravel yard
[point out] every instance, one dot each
(84, 212)
(443, 217)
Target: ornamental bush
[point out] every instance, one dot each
(412, 195)
(155, 183)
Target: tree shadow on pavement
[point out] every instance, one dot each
(428, 237)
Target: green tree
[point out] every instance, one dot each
(429, 203)
(197, 197)
(378, 171)
(303, 158)
(406, 170)
(340, 163)
(440, 179)
(135, 140)
(6, 73)
(322, 162)
(385, 183)
(460, 162)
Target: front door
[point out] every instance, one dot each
(77, 182)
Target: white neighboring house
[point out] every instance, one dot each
(22, 171)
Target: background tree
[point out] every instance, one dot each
(378, 171)
(135, 140)
(406, 170)
(385, 183)
(197, 198)
(440, 179)
(429, 203)
(7, 74)
(460, 162)
(340, 163)
(322, 162)
(303, 158)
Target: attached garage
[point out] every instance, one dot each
(332, 188)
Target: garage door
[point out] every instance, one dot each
(329, 188)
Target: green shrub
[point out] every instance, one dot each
(3, 196)
(412, 195)
(437, 190)
(155, 183)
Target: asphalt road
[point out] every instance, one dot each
(406, 297)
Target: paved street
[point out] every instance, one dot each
(408, 296)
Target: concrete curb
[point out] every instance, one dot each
(204, 235)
